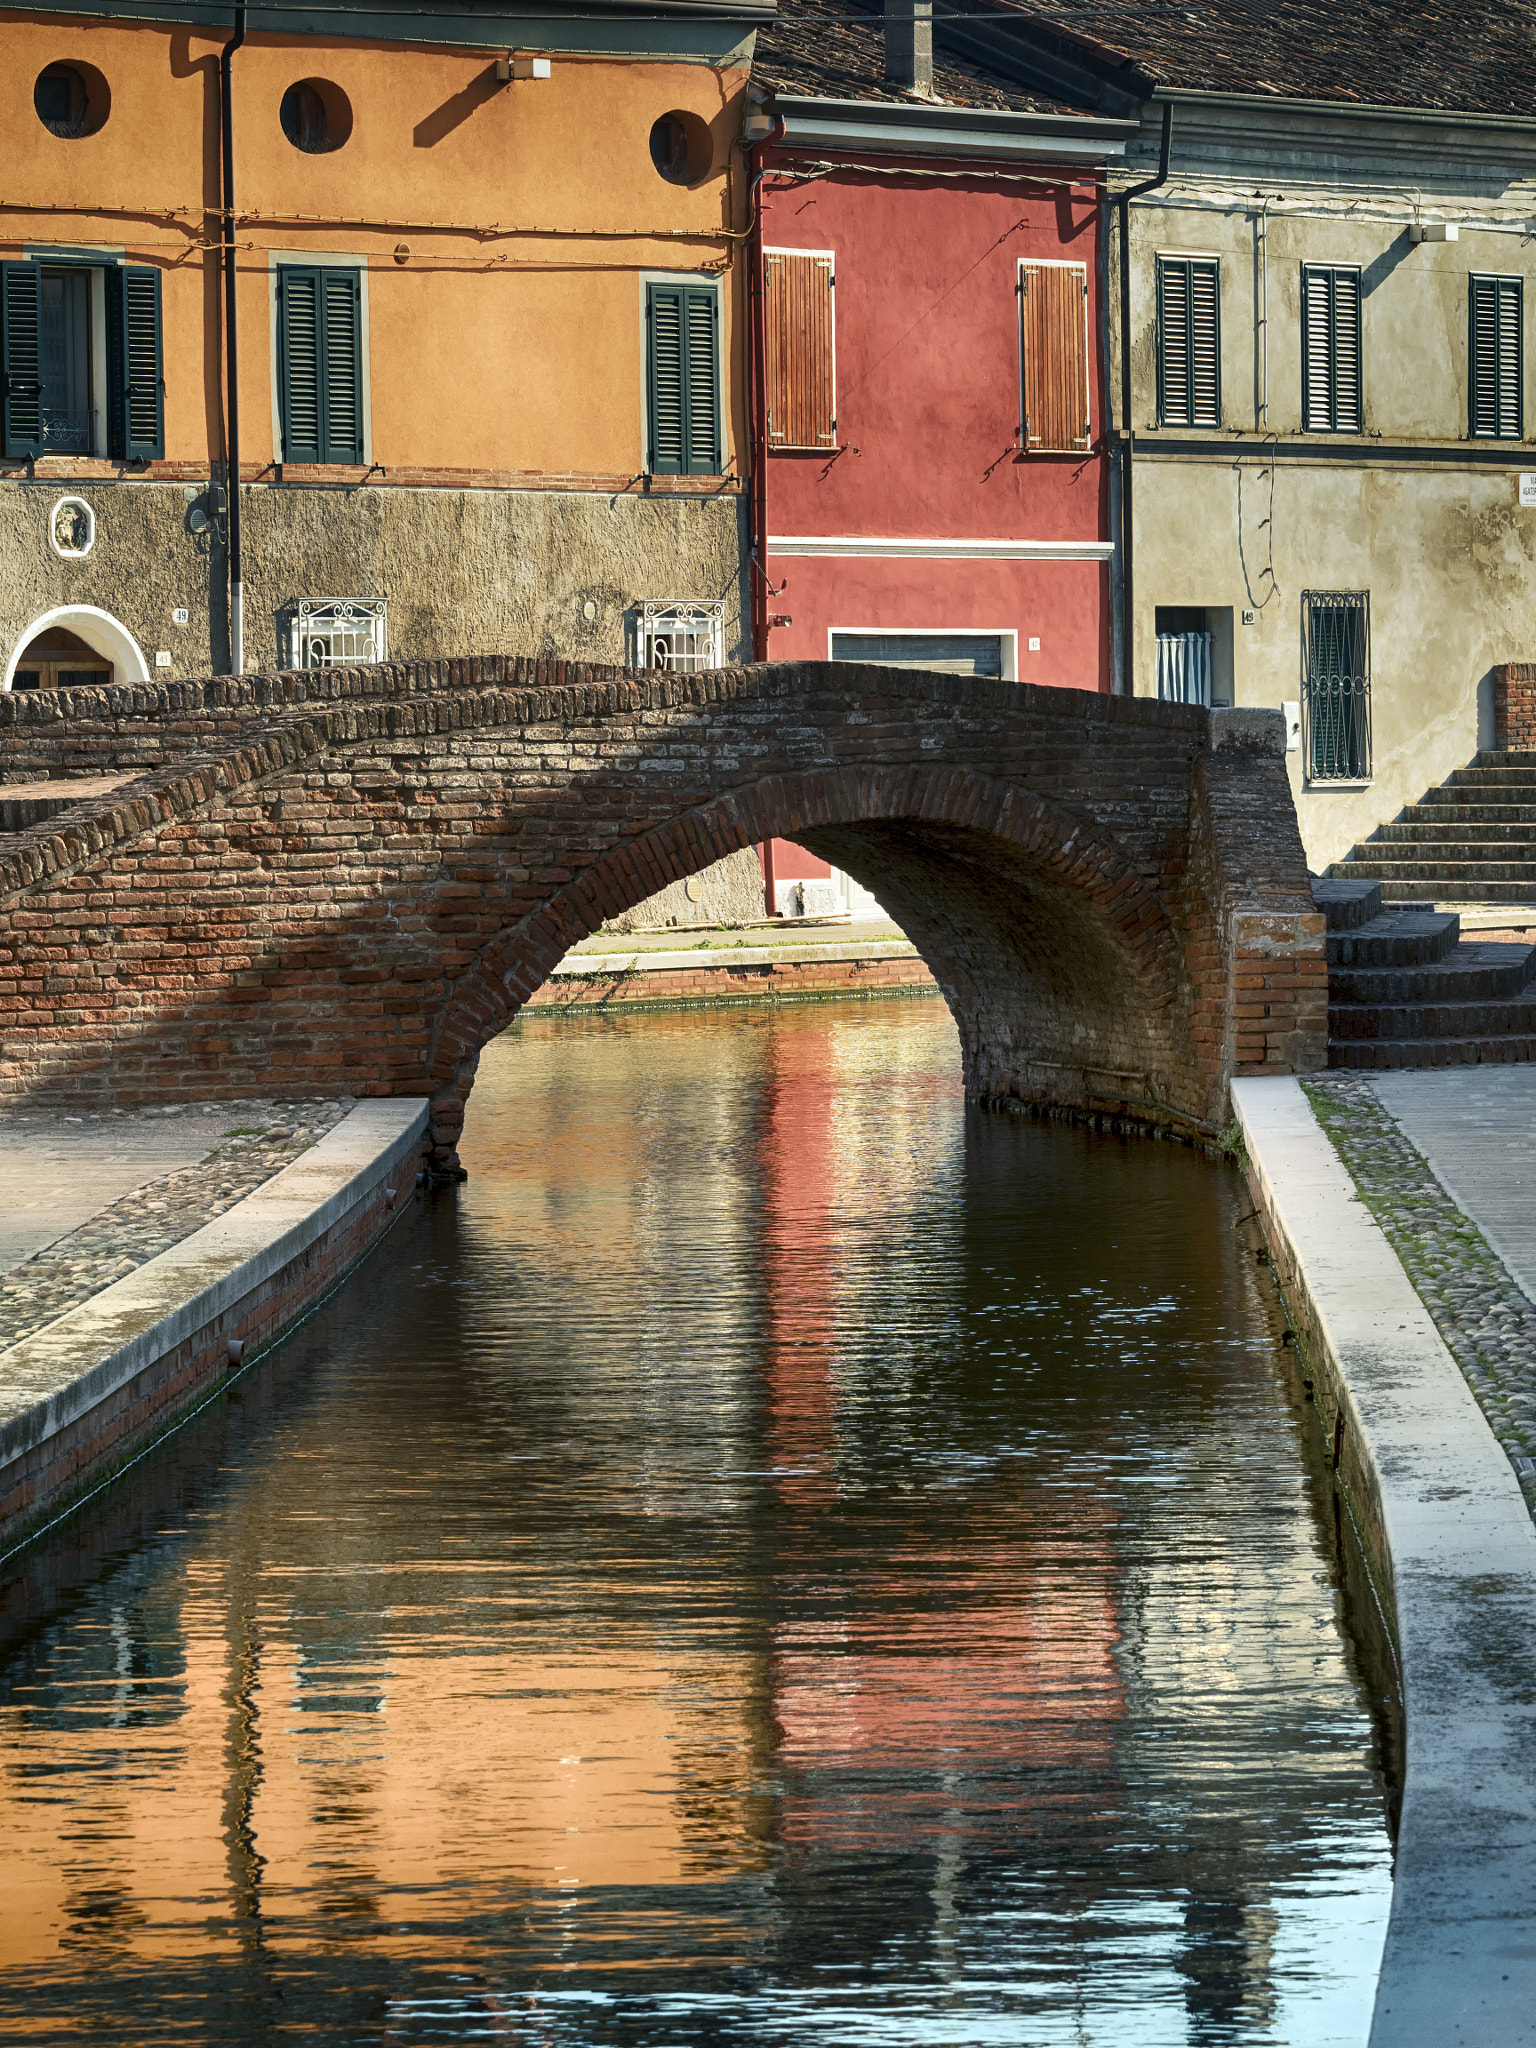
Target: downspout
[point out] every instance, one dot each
(231, 353)
(1127, 568)
(757, 570)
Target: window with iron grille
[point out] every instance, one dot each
(1336, 685)
(682, 379)
(338, 632)
(1330, 349)
(1497, 357)
(1189, 341)
(675, 634)
(320, 363)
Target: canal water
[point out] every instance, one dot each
(777, 1558)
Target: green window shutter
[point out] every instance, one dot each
(683, 379)
(135, 364)
(1331, 372)
(298, 368)
(320, 368)
(1496, 355)
(21, 318)
(341, 297)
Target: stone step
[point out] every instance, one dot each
(1445, 890)
(1490, 778)
(1445, 831)
(1476, 971)
(1431, 877)
(1444, 804)
(1392, 1054)
(1505, 757)
(1410, 935)
(1345, 903)
(1510, 1017)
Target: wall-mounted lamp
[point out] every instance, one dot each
(781, 619)
(520, 64)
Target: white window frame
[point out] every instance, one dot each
(829, 256)
(1054, 263)
(1007, 635)
(312, 259)
(317, 619)
(657, 616)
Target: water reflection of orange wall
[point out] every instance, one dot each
(264, 1780)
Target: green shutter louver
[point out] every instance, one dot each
(320, 366)
(683, 379)
(135, 364)
(21, 319)
(1330, 350)
(1497, 357)
(1189, 342)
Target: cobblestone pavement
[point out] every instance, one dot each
(1488, 1323)
(161, 1211)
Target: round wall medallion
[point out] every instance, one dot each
(72, 528)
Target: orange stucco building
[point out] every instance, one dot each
(487, 291)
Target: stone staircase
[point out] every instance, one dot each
(1471, 840)
(1406, 990)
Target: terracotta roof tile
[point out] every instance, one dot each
(807, 56)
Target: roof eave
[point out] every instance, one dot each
(910, 128)
(1365, 110)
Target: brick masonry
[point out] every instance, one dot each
(1514, 705)
(778, 981)
(349, 881)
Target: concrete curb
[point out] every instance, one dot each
(180, 1310)
(1452, 1549)
(604, 966)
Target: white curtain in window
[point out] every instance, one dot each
(1184, 668)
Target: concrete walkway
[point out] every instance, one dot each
(1477, 1128)
(59, 1171)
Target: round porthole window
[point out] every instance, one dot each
(316, 116)
(71, 99)
(682, 148)
(72, 528)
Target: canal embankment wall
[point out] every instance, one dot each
(1451, 1548)
(83, 1396)
(667, 979)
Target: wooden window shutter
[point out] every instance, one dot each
(1053, 346)
(135, 364)
(21, 320)
(320, 367)
(1497, 360)
(682, 380)
(1331, 381)
(798, 345)
(1188, 342)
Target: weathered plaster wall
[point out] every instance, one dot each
(1410, 510)
(510, 571)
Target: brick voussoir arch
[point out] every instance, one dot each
(518, 962)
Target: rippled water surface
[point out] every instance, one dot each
(776, 1558)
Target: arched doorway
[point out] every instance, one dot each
(72, 646)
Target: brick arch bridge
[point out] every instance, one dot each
(349, 881)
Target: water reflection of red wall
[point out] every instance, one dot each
(975, 1687)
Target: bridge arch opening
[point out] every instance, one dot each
(1054, 956)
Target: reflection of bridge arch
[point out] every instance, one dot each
(351, 879)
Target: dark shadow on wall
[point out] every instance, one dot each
(453, 113)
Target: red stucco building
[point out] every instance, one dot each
(931, 463)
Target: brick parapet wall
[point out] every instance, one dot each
(355, 881)
(1514, 706)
